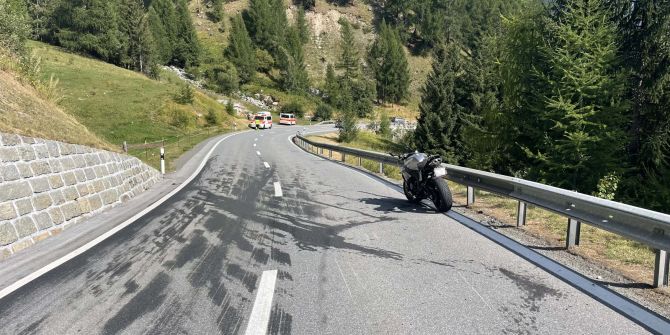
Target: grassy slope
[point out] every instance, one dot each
(630, 258)
(25, 111)
(117, 104)
(323, 47)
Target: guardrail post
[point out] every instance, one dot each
(471, 195)
(381, 168)
(574, 228)
(661, 266)
(360, 161)
(521, 214)
(125, 146)
(344, 157)
(330, 153)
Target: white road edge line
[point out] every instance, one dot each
(258, 153)
(267, 166)
(260, 313)
(27, 279)
(278, 192)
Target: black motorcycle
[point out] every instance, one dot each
(422, 179)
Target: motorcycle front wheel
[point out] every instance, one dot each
(411, 197)
(442, 197)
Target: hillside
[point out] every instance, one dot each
(324, 45)
(120, 105)
(23, 110)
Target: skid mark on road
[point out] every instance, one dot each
(148, 299)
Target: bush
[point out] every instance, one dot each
(181, 118)
(185, 95)
(264, 61)
(212, 117)
(323, 112)
(349, 130)
(384, 125)
(222, 78)
(230, 108)
(295, 108)
(14, 27)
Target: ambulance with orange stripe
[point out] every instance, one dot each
(287, 119)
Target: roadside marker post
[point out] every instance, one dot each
(162, 160)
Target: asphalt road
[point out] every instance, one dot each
(351, 257)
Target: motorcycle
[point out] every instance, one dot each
(422, 179)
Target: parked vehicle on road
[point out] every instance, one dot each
(287, 119)
(262, 120)
(423, 179)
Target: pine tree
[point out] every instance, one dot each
(294, 74)
(240, 50)
(349, 127)
(89, 26)
(160, 37)
(187, 47)
(520, 77)
(644, 28)
(388, 62)
(583, 113)
(438, 126)
(136, 34)
(41, 14)
(349, 58)
(301, 24)
(363, 93)
(331, 87)
(267, 24)
(429, 22)
(164, 29)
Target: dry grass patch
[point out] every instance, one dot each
(24, 111)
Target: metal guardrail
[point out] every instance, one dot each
(635, 223)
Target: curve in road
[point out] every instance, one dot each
(348, 255)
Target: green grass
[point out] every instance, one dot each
(120, 105)
(367, 141)
(175, 147)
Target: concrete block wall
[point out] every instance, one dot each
(47, 185)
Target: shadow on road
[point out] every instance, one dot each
(390, 205)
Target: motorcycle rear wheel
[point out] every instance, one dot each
(442, 198)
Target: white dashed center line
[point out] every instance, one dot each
(278, 192)
(258, 153)
(260, 313)
(267, 166)
(254, 144)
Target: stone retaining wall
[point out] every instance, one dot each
(47, 185)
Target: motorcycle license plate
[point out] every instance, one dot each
(440, 172)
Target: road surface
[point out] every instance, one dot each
(272, 234)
